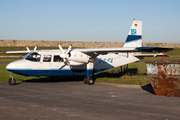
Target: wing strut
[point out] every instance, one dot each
(163, 55)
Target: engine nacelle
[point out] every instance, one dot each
(78, 57)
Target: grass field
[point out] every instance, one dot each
(135, 74)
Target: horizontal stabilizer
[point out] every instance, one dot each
(153, 49)
(149, 55)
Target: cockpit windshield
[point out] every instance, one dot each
(34, 57)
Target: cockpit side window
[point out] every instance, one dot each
(34, 57)
(57, 58)
(47, 58)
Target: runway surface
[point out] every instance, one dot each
(77, 101)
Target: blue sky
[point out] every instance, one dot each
(89, 20)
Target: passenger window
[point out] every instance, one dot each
(47, 58)
(34, 57)
(57, 58)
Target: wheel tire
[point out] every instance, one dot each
(12, 81)
(90, 81)
(85, 80)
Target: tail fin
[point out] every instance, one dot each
(134, 38)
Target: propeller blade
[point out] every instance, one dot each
(35, 48)
(68, 49)
(62, 66)
(28, 49)
(67, 62)
(62, 51)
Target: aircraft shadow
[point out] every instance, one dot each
(77, 78)
(147, 88)
(17, 83)
(61, 79)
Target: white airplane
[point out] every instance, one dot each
(59, 62)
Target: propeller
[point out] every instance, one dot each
(65, 55)
(29, 49)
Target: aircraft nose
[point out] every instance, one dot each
(10, 66)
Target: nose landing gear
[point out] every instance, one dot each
(11, 80)
(88, 80)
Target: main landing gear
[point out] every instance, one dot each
(11, 81)
(88, 80)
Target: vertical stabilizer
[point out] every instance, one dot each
(134, 38)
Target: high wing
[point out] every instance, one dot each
(97, 51)
(22, 51)
(93, 52)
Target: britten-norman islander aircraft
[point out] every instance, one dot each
(54, 63)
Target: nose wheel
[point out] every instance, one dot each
(11, 80)
(88, 80)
